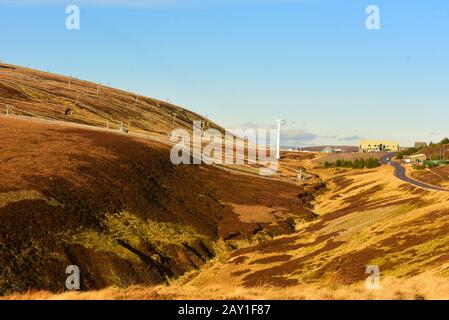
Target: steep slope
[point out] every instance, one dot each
(115, 206)
(50, 96)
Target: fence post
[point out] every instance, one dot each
(135, 102)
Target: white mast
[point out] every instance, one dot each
(278, 152)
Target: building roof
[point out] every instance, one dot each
(378, 141)
(421, 155)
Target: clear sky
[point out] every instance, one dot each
(246, 63)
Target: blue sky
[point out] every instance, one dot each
(246, 63)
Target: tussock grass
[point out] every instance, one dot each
(424, 286)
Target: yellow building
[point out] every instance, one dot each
(378, 146)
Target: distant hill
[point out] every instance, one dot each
(436, 151)
(344, 148)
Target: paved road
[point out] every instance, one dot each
(399, 172)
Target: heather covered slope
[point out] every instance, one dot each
(49, 96)
(115, 205)
(367, 217)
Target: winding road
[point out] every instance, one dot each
(399, 172)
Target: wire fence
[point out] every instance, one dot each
(58, 98)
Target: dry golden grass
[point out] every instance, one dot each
(49, 96)
(380, 220)
(252, 214)
(424, 286)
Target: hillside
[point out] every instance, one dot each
(115, 205)
(366, 217)
(77, 192)
(437, 176)
(436, 151)
(49, 96)
(343, 148)
(351, 156)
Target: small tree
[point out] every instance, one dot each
(372, 163)
(362, 164)
(338, 163)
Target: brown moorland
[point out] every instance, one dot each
(115, 205)
(437, 176)
(46, 95)
(140, 227)
(367, 217)
(374, 220)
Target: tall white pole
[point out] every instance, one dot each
(278, 151)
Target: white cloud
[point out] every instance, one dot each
(297, 135)
(289, 135)
(329, 136)
(351, 138)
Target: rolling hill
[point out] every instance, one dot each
(49, 96)
(366, 217)
(74, 192)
